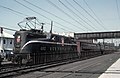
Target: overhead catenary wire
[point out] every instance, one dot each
(89, 14)
(50, 24)
(7, 28)
(23, 15)
(49, 13)
(76, 15)
(80, 13)
(39, 13)
(92, 11)
(64, 13)
(13, 10)
(118, 11)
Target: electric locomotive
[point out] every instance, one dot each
(33, 46)
(37, 47)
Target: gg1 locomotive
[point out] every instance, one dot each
(37, 47)
(34, 46)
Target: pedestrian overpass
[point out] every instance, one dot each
(98, 35)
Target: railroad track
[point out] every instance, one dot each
(19, 70)
(14, 70)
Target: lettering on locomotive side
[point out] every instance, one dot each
(43, 48)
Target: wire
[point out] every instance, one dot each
(64, 13)
(39, 13)
(49, 13)
(8, 28)
(92, 11)
(17, 13)
(80, 13)
(88, 13)
(76, 15)
(55, 26)
(13, 10)
(118, 9)
(50, 24)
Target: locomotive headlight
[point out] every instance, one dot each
(18, 39)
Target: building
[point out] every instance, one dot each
(67, 34)
(6, 44)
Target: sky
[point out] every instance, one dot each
(67, 15)
(77, 16)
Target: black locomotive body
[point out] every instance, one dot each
(36, 47)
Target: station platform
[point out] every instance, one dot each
(113, 71)
(106, 66)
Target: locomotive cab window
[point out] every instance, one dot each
(18, 39)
